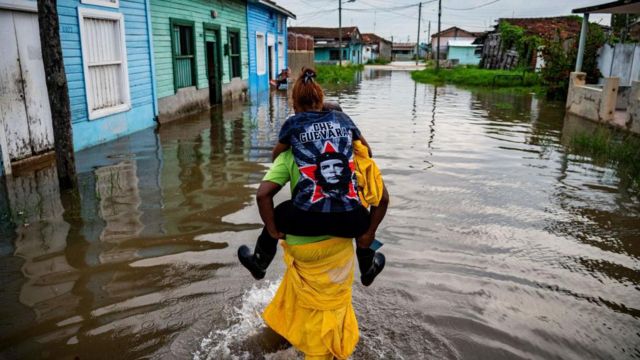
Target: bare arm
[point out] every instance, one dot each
(278, 149)
(376, 215)
(266, 191)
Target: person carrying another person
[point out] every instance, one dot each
(325, 199)
(312, 308)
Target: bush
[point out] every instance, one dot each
(335, 74)
(472, 76)
(378, 61)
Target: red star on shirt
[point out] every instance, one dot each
(309, 172)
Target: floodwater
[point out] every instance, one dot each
(500, 243)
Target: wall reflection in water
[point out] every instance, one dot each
(67, 259)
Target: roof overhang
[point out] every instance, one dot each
(615, 7)
(272, 5)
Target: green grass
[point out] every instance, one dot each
(605, 146)
(474, 77)
(378, 61)
(334, 74)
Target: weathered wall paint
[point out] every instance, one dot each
(231, 14)
(141, 115)
(24, 104)
(264, 20)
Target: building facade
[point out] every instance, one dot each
(200, 54)
(464, 51)
(267, 32)
(327, 46)
(452, 33)
(106, 45)
(375, 47)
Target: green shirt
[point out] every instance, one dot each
(283, 170)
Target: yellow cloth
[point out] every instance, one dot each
(370, 185)
(312, 308)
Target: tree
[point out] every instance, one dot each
(58, 92)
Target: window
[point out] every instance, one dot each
(108, 3)
(344, 53)
(104, 61)
(234, 53)
(280, 53)
(334, 55)
(184, 53)
(261, 54)
(281, 23)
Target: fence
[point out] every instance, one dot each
(300, 53)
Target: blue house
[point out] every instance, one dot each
(327, 45)
(107, 50)
(267, 32)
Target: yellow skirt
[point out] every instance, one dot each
(312, 308)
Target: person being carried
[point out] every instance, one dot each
(325, 197)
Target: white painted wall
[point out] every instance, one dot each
(621, 60)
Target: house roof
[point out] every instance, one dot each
(272, 5)
(325, 33)
(369, 38)
(460, 43)
(566, 26)
(460, 32)
(398, 46)
(614, 7)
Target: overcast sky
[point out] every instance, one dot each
(402, 24)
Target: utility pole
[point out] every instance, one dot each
(340, 31)
(429, 40)
(438, 45)
(58, 92)
(418, 39)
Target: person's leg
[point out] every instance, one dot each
(264, 252)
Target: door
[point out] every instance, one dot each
(271, 63)
(212, 41)
(24, 102)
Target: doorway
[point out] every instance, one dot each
(214, 71)
(271, 62)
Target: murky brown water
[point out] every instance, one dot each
(500, 243)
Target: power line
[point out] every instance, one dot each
(472, 8)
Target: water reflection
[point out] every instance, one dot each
(500, 239)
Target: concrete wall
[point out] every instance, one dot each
(621, 60)
(87, 132)
(465, 55)
(594, 103)
(633, 109)
(299, 59)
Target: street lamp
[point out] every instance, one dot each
(340, 28)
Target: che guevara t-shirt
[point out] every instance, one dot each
(322, 146)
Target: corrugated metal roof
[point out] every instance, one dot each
(461, 43)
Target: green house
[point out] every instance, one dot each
(200, 53)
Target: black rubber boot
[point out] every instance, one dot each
(258, 262)
(370, 263)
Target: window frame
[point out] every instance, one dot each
(264, 54)
(107, 15)
(105, 3)
(194, 71)
(238, 33)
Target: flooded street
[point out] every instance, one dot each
(500, 243)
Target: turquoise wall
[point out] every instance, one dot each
(463, 53)
(139, 65)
